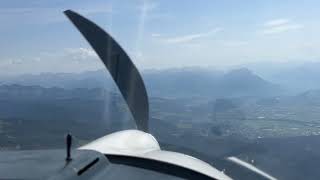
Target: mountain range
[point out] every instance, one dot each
(165, 83)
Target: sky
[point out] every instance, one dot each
(158, 34)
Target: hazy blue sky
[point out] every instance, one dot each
(36, 37)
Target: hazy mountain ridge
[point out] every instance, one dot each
(16, 91)
(166, 83)
(88, 79)
(295, 77)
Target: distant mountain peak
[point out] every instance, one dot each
(243, 74)
(241, 70)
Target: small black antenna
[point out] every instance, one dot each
(68, 144)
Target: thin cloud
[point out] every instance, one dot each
(276, 22)
(155, 35)
(283, 28)
(276, 26)
(71, 60)
(235, 43)
(80, 54)
(191, 37)
(75, 54)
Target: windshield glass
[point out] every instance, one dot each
(224, 79)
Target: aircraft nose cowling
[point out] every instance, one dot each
(127, 142)
(135, 143)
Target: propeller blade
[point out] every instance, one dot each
(120, 66)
